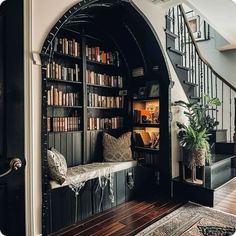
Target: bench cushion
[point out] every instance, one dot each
(94, 170)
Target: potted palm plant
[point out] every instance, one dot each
(194, 136)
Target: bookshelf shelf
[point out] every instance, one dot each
(145, 99)
(67, 56)
(67, 107)
(143, 149)
(65, 132)
(103, 86)
(100, 130)
(93, 62)
(146, 125)
(63, 81)
(105, 108)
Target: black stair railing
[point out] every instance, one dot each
(200, 72)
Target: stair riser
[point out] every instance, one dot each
(170, 41)
(175, 57)
(225, 148)
(182, 74)
(218, 136)
(219, 173)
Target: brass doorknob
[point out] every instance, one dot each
(14, 164)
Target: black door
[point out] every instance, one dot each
(12, 206)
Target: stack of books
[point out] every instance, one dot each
(96, 54)
(57, 71)
(95, 100)
(104, 79)
(63, 124)
(56, 97)
(105, 123)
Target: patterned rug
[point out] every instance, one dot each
(193, 220)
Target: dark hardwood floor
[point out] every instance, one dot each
(132, 217)
(125, 219)
(226, 198)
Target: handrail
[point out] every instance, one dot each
(198, 51)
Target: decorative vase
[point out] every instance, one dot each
(196, 158)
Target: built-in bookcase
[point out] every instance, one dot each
(103, 70)
(86, 91)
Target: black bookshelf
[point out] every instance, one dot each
(146, 122)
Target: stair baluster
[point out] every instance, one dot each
(195, 70)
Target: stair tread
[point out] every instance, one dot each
(171, 34)
(190, 83)
(193, 97)
(230, 142)
(182, 67)
(176, 51)
(220, 158)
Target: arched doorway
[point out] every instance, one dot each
(92, 26)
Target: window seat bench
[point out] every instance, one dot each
(83, 173)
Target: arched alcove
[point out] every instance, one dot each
(118, 26)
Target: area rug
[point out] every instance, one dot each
(193, 220)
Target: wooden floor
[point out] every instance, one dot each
(130, 218)
(226, 198)
(126, 219)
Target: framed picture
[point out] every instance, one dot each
(154, 91)
(199, 27)
(142, 92)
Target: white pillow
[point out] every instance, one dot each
(57, 165)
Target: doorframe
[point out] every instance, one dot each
(29, 124)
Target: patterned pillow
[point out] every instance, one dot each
(57, 165)
(117, 149)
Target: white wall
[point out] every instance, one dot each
(222, 62)
(44, 14)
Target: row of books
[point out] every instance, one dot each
(67, 46)
(57, 71)
(96, 54)
(61, 124)
(57, 97)
(104, 79)
(147, 158)
(95, 100)
(105, 123)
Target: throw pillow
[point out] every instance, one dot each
(117, 149)
(57, 165)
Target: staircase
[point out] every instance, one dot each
(198, 78)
